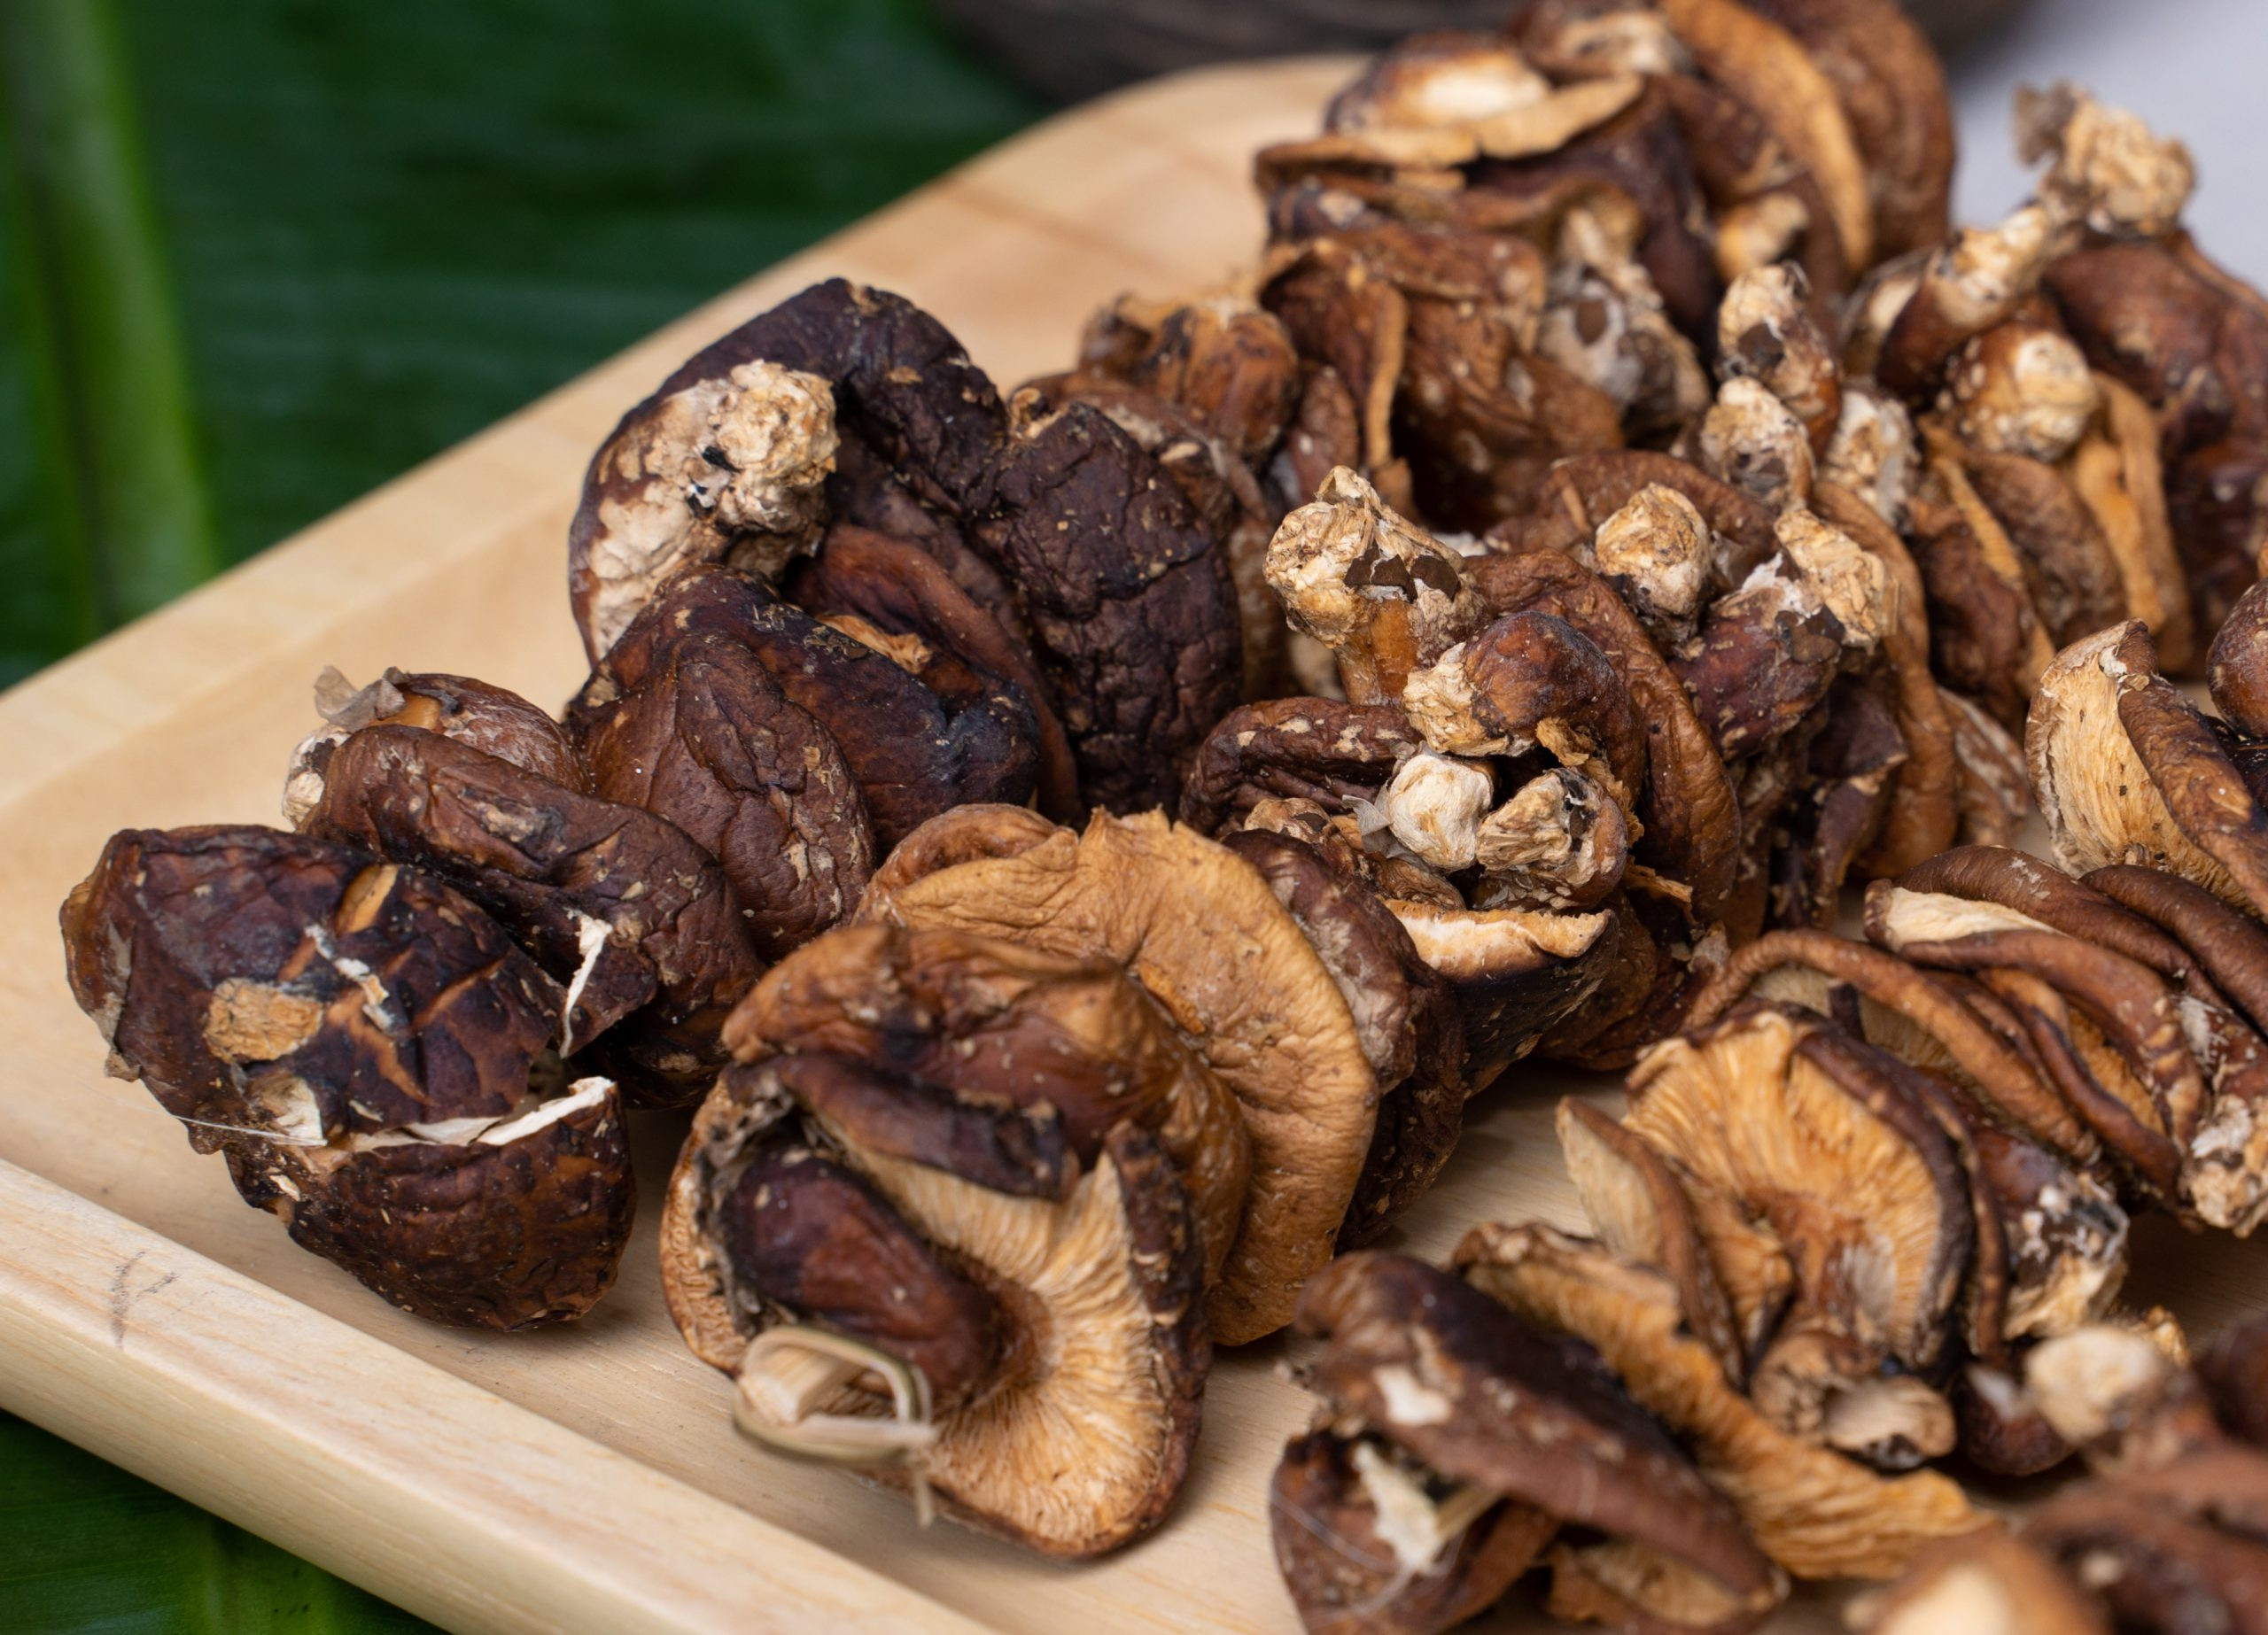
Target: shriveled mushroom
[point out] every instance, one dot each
(1159, 900)
(1810, 1509)
(932, 1286)
(1430, 1385)
(374, 1057)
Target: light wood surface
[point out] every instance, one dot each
(590, 1478)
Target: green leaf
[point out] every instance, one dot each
(86, 1549)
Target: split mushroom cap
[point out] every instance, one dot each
(1816, 1512)
(472, 713)
(629, 914)
(1200, 929)
(1515, 974)
(1379, 592)
(2127, 770)
(988, 1017)
(374, 1056)
(1318, 750)
(1079, 1439)
(1815, 1133)
(1986, 1583)
(1368, 1543)
(1432, 1366)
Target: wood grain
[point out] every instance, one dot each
(590, 1478)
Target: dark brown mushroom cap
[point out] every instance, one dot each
(1583, 491)
(297, 988)
(1128, 597)
(2067, 562)
(1812, 1511)
(1081, 1440)
(1984, 637)
(2234, 1367)
(1856, 761)
(1412, 1029)
(1429, 1362)
(472, 713)
(2137, 1014)
(986, 1018)
(2126, 770)
(549, 863)
(1688, 811)
(1298, 749)
(1637, 1205)
(2230, 947)
(862, 582)
(1345, 1579)
(1200, 929)
(2237, 665)
(372, 1053)
(1986, 1583)
(914, 750)
(521, 1224)
(708, 740)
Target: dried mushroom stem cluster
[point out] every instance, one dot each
(2165, 1537)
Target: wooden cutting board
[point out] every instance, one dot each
(590, 1478)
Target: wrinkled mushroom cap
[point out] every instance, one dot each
(1200, 929)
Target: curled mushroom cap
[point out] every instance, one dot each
(373, 1055)
(618, 905)
(1514, 972)
(1381, 593)
(1430, 1366)
(2237, 667)
(1058, 1303)
(1163, 902)
(1810, 1129)
(985, 1016)
(731, 469)
(2127, 770)
(1812, 1511)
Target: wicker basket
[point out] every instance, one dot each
(1070, 48)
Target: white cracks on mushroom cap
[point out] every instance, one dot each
(1853, 583)
(1405, 1516)
(591, 935)
(1603, 319)
(1765, 330)
(1349, 562)
(1434, 806)
(731, 469)
(1985, 271)
(1874, 451)
(2108, 169)
(1752, 441)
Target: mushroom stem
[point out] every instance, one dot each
(789, 1371)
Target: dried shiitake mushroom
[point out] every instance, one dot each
(373, 1056)
(1202, 932)
(1455, 1442)
(1811, 1510)
(951, 1288)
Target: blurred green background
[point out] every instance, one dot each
(337, 238)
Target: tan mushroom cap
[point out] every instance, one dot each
(1200, 929)
(1817, 1514)
(1802, 1124)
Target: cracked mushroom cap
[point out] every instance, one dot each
(727, 468)
(373, 1055)
(1317, 749)
(1202, 930)
(2128, 770)
(1809, 1508)
(617, 904)
(1988, 1582)
(1427, 1364)
(1816, 1134)
(1057, 1303)
(984, 1016)
(1379, 592)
